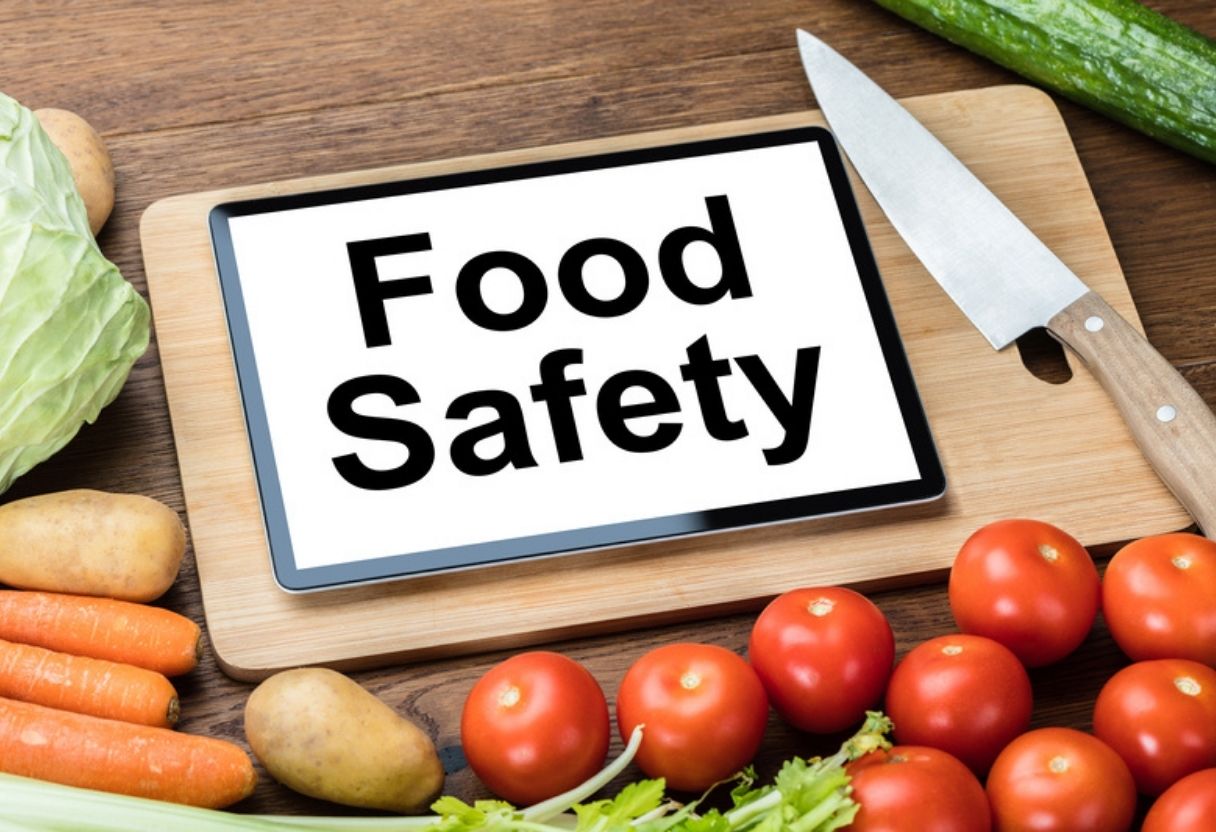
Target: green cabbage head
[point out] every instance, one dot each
(70, 325)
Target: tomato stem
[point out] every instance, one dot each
(820, 607)
(1188, 685)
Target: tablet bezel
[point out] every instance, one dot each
(929, 486)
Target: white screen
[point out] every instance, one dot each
(308, 338)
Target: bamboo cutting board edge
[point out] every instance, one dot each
(1011, 444)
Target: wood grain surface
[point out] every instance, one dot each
(192, 96)
(1010, 443)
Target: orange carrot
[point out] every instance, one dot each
(94, 753)
(102, 628)
(86, 686)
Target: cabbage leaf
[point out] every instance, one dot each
(70, 326)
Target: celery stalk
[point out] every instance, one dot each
(807, 796)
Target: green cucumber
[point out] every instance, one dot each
(1116, 56)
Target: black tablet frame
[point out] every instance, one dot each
(930, 485)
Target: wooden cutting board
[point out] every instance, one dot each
(1012, 444)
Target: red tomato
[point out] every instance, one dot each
(914, 789)
(704, 710)
(535, 726)
(963, 694)
(1028, 585)
(824, 656)
(1159, 597)
(1160, 716)
(1187, 806)
(1061, 780)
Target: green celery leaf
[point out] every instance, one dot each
(634, 800)
(711, 821)
(744, 791)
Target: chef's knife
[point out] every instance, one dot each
(1005, 279)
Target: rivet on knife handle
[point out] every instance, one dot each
(1171, 423)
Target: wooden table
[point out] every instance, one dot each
(192, 96)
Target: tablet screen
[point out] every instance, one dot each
(561, 356)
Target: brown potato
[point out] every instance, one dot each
(323, 735)
(86, 153)
(91, 543)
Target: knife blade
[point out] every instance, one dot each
(1004, 279)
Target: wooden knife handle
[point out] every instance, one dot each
(1173, 426)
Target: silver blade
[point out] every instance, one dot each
(994, 267)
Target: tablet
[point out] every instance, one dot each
(551, 358)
